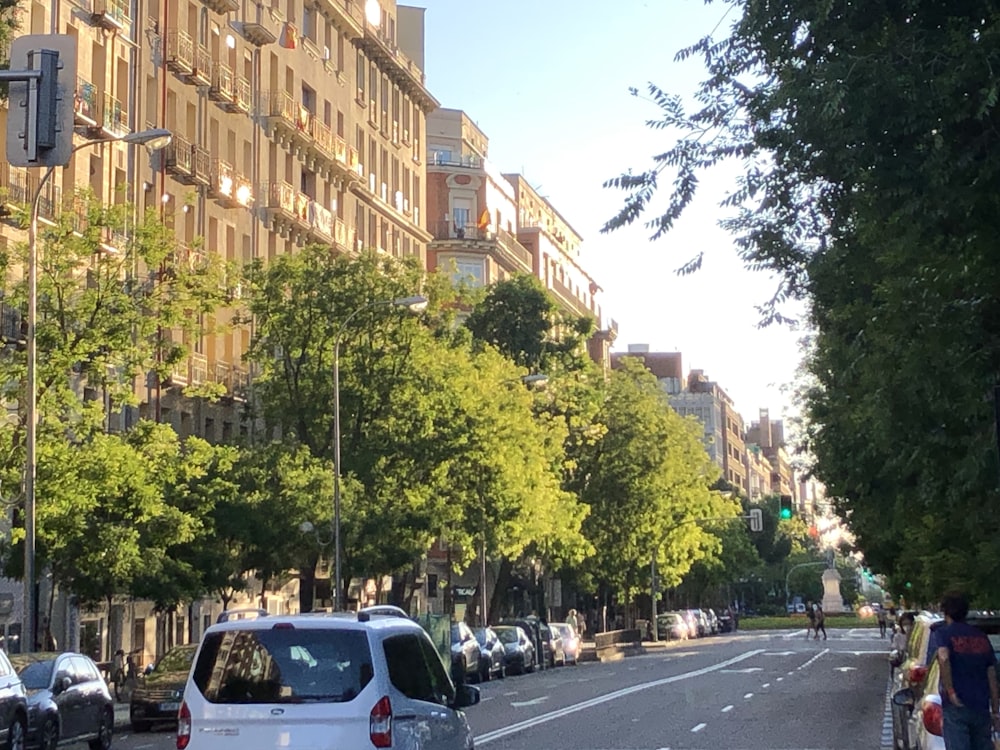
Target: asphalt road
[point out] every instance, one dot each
(760, 691)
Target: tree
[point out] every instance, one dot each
(646, 481)
(843, 200)
(100, 512)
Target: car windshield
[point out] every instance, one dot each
(507, 635)
(34, 674)
(176, 660)
(565, 631)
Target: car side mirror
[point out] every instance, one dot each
(63, 684)
(465, 695)
(904, 698)
(148, 670)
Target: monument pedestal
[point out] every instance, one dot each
(833, 602)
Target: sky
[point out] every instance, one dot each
(548, 83)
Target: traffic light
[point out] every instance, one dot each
(785, 507)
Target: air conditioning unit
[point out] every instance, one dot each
(371, 182)
(385, 191)
(326, 53)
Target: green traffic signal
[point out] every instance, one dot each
(785, 507)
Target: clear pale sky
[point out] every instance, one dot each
(548, 81)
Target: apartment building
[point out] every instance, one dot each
(769, 434)
(487, 225)
(293, 122)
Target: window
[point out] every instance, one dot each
(432, 585)
(468, 270)
(415, 669)
(362, 67)
(284, 666)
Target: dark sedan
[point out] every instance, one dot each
(13, 706)
(519, 653)
(158, 695)
(68, 700)
(491, 654)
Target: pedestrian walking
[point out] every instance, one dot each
(970, 698)
(897, 647)
(811, 617)
(820, 622)
(883, 621)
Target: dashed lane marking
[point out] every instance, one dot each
(727, 709)
(584, 705)
(698, 727)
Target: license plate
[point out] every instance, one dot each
(170, 707)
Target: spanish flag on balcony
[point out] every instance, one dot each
(484, 220)
(289, 36)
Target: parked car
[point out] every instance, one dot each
(13, 706)
(344, 680)
(925, 716)
(532, 627)
(570, 642)
(713, 621)
(555, 656)
(68, 700)
(464, 654)
(519, 651)
(158, 695)
(670, 626)
(726, 622)
(912, 675)
(491, 654)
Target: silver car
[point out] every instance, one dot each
(342, 680)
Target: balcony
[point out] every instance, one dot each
(229, 188)
(202, 74)
(178, 160)
(285, 120)
(346, 15)
(343, 235)
(49, 202)
(85, 103)
(286, 208)
(202, 160)
(400, 68)
(15, 192)
(321, 221)
(180, 54)
(502, 246)
(114, 118)
(222, 6)
(223, 87)
(259, 25)
(199, 369)
(568, 297)
(244, 97)
(13, 326)
(110, 14)
(328, 153)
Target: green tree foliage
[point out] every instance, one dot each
(101, 515)
(647, 481)
(867, 137)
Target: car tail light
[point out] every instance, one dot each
(933, 718)
(183, 726)
(917, 675)
(380, 723)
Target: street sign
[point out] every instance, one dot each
(756, 519)
(42, 78)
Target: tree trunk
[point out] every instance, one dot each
(307, 584)
(497, 601)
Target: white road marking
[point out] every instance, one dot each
(845, 669)
(748, 696)
(824, 652)
(779, 679)
(510, 693)
(727, 709)
(698, 727)
(614, 695)
(766, 685)
(748, 670)
(778, 653)
(532, 702)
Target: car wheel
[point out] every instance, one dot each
(104, 732)
(16, 734)
(48, 735)
(503, 671)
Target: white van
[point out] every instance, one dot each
(342, 680)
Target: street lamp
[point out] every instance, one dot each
(414, 304)
(153, 139)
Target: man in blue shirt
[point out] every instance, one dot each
(970, 697)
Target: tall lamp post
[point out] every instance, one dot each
(414, 304)
(153, 139)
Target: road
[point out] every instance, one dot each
(766, 691)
